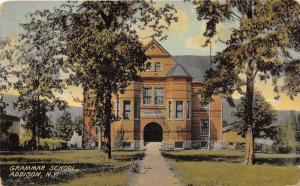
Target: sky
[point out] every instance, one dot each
(184, 38)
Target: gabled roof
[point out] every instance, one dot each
(157, 44)
(178, 71)
(195, 66)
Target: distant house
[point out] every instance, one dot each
(10, 133)
(232, 140)
(75, 141)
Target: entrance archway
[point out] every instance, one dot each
(153, 133)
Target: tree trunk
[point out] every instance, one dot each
(107, 134)
(33, 138)
(99, 138)
(248, 119)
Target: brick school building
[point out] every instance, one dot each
(163, 105)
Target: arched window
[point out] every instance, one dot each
(157, 66)
(148, 66)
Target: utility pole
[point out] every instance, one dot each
(209, 122)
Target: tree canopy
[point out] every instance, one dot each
(264, 116)
(259, 49)
(94, 44)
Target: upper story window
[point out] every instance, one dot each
(204, 127)
(126, 111)
(170, 110)
(118, 107)
(179, 109)
(136, 109)
(148, 66)
(147, 96)
(157, 66)
(204, 107)
(188, 110)
(159, 96)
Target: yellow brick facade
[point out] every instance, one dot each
(180, 126)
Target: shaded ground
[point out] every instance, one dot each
(216, 167)
(231, 156)
(154, 169)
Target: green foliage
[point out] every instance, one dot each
(264, 115)
(64, 126)
(37, 70)
(258, 50)
(287, 134)
(102, 50)
(5, 124)
(51, 143)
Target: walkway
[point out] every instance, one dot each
(154, 170)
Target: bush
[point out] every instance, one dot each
(283, 149)
(52, 144)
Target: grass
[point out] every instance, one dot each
(234, 174)
(231, 156)
(105, 179)
(69, 156)
(206, 152)
(94, 168)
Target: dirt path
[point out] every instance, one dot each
(154, 170)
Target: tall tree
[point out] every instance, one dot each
(264, 115)
(64, 126)
(37, 68)
(3, 67)
(102, 49)
(258, 49)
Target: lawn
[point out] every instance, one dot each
(93, 168)
(105, 179)
(215, 167)
(232, 156)
(234, 174)
(206, 152)
(70, 156)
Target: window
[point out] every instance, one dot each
(148, 66)
(118, 107)
(178, 144)
(179, 109)
(157, 66)
(188, 110)
(147, 96)
(136, 109)
(170, 110)
(204, 107)
(126, 113)
(159, 96)
(204, 127)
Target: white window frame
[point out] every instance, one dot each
(201, 122)
(151, 97)
(170, 110)
(188, 109)
(160, 67)
(124, 111)
(182, 116)
(136, 109)
(150, 69)
(159, 96)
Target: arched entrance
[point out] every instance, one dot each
(153, 133)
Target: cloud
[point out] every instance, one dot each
(176, 28)
(183, 23)
(198, 40)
